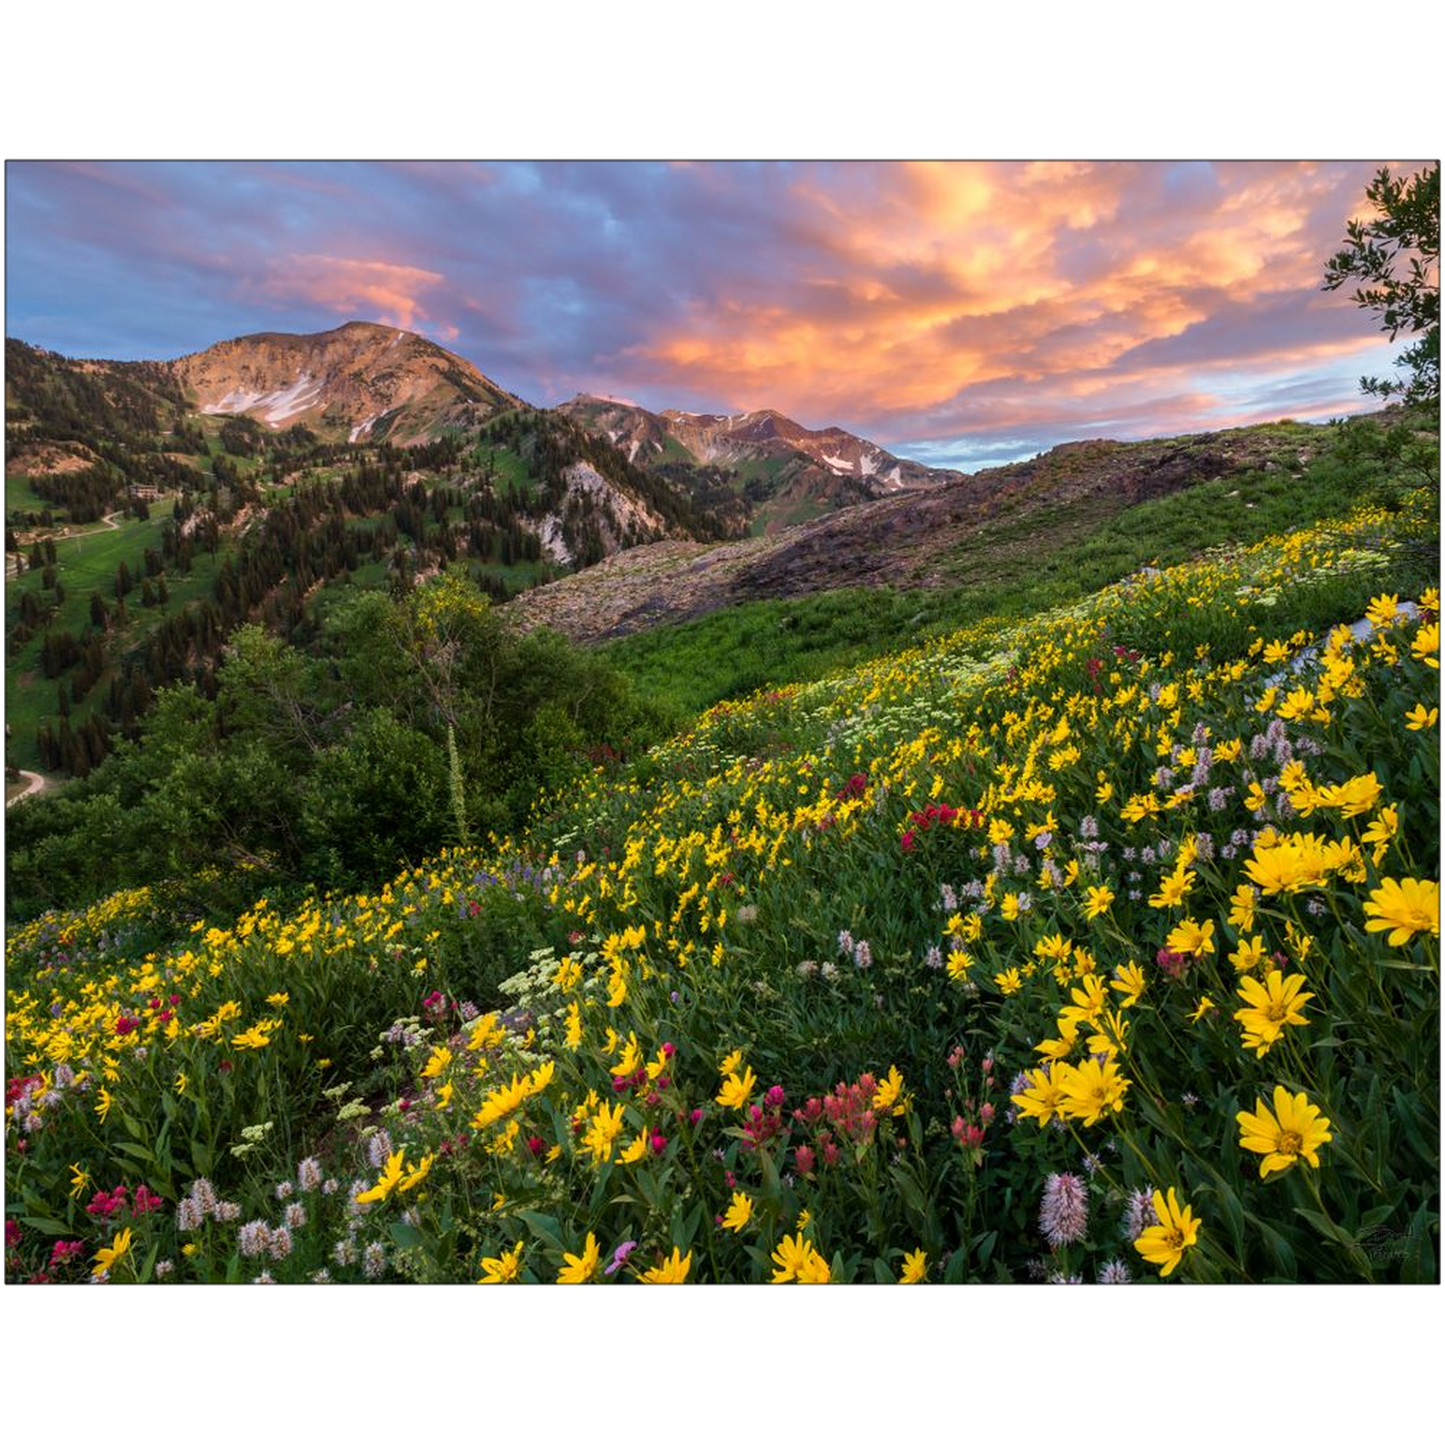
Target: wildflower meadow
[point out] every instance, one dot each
(1101, 946)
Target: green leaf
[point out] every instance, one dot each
(685, 1225)
(544, 1226)
(908, 1188)
(147, 1270)
(407, 1236)
(44, 1225)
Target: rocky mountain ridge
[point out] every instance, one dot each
(781, 472)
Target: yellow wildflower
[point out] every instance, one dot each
(1270, 1007)
(915, 1268)
(1295, 1130)
(579, 1268)
(736, 1090)
(1129, 981)
(1405, 906)
(739, 1212)
(1091, 1089)
(503, 1268)
(889, 1097)
(386, 1181)
(111, 1254)
(1164, 1243)
(1192, 938)
(670, 1271)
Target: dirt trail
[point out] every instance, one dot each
(34, 783)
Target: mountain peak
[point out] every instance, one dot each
(361, 380)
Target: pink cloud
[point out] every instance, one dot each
(372, 290)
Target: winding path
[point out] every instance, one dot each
(34, 783)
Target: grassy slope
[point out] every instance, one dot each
(20, 496)
(1010, 567)
(87, 563)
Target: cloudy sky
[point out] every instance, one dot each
(958, 313)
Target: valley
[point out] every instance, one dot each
(152, 507)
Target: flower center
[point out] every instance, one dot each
(1289, 1143)
(1175, 1239)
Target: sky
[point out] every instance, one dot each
(962, 313)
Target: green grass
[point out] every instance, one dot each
(20, 496)
(512, 480)
(770, 469)
(772, 516)
(674, 451)
(520, 575)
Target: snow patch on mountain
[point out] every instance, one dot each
(289, 401)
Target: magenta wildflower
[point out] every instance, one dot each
(620, 1255)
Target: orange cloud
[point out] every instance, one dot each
(925, 280)
(378, 290)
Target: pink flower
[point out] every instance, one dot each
(774, 1097)
(659, 1143)
(806, 1160)
(620, 1255)
(1174, 964)
(970, 1136)
(1064, 1209)
(696, 1116)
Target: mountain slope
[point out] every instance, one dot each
(778, 471)
(924, 538)
(359, 382)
